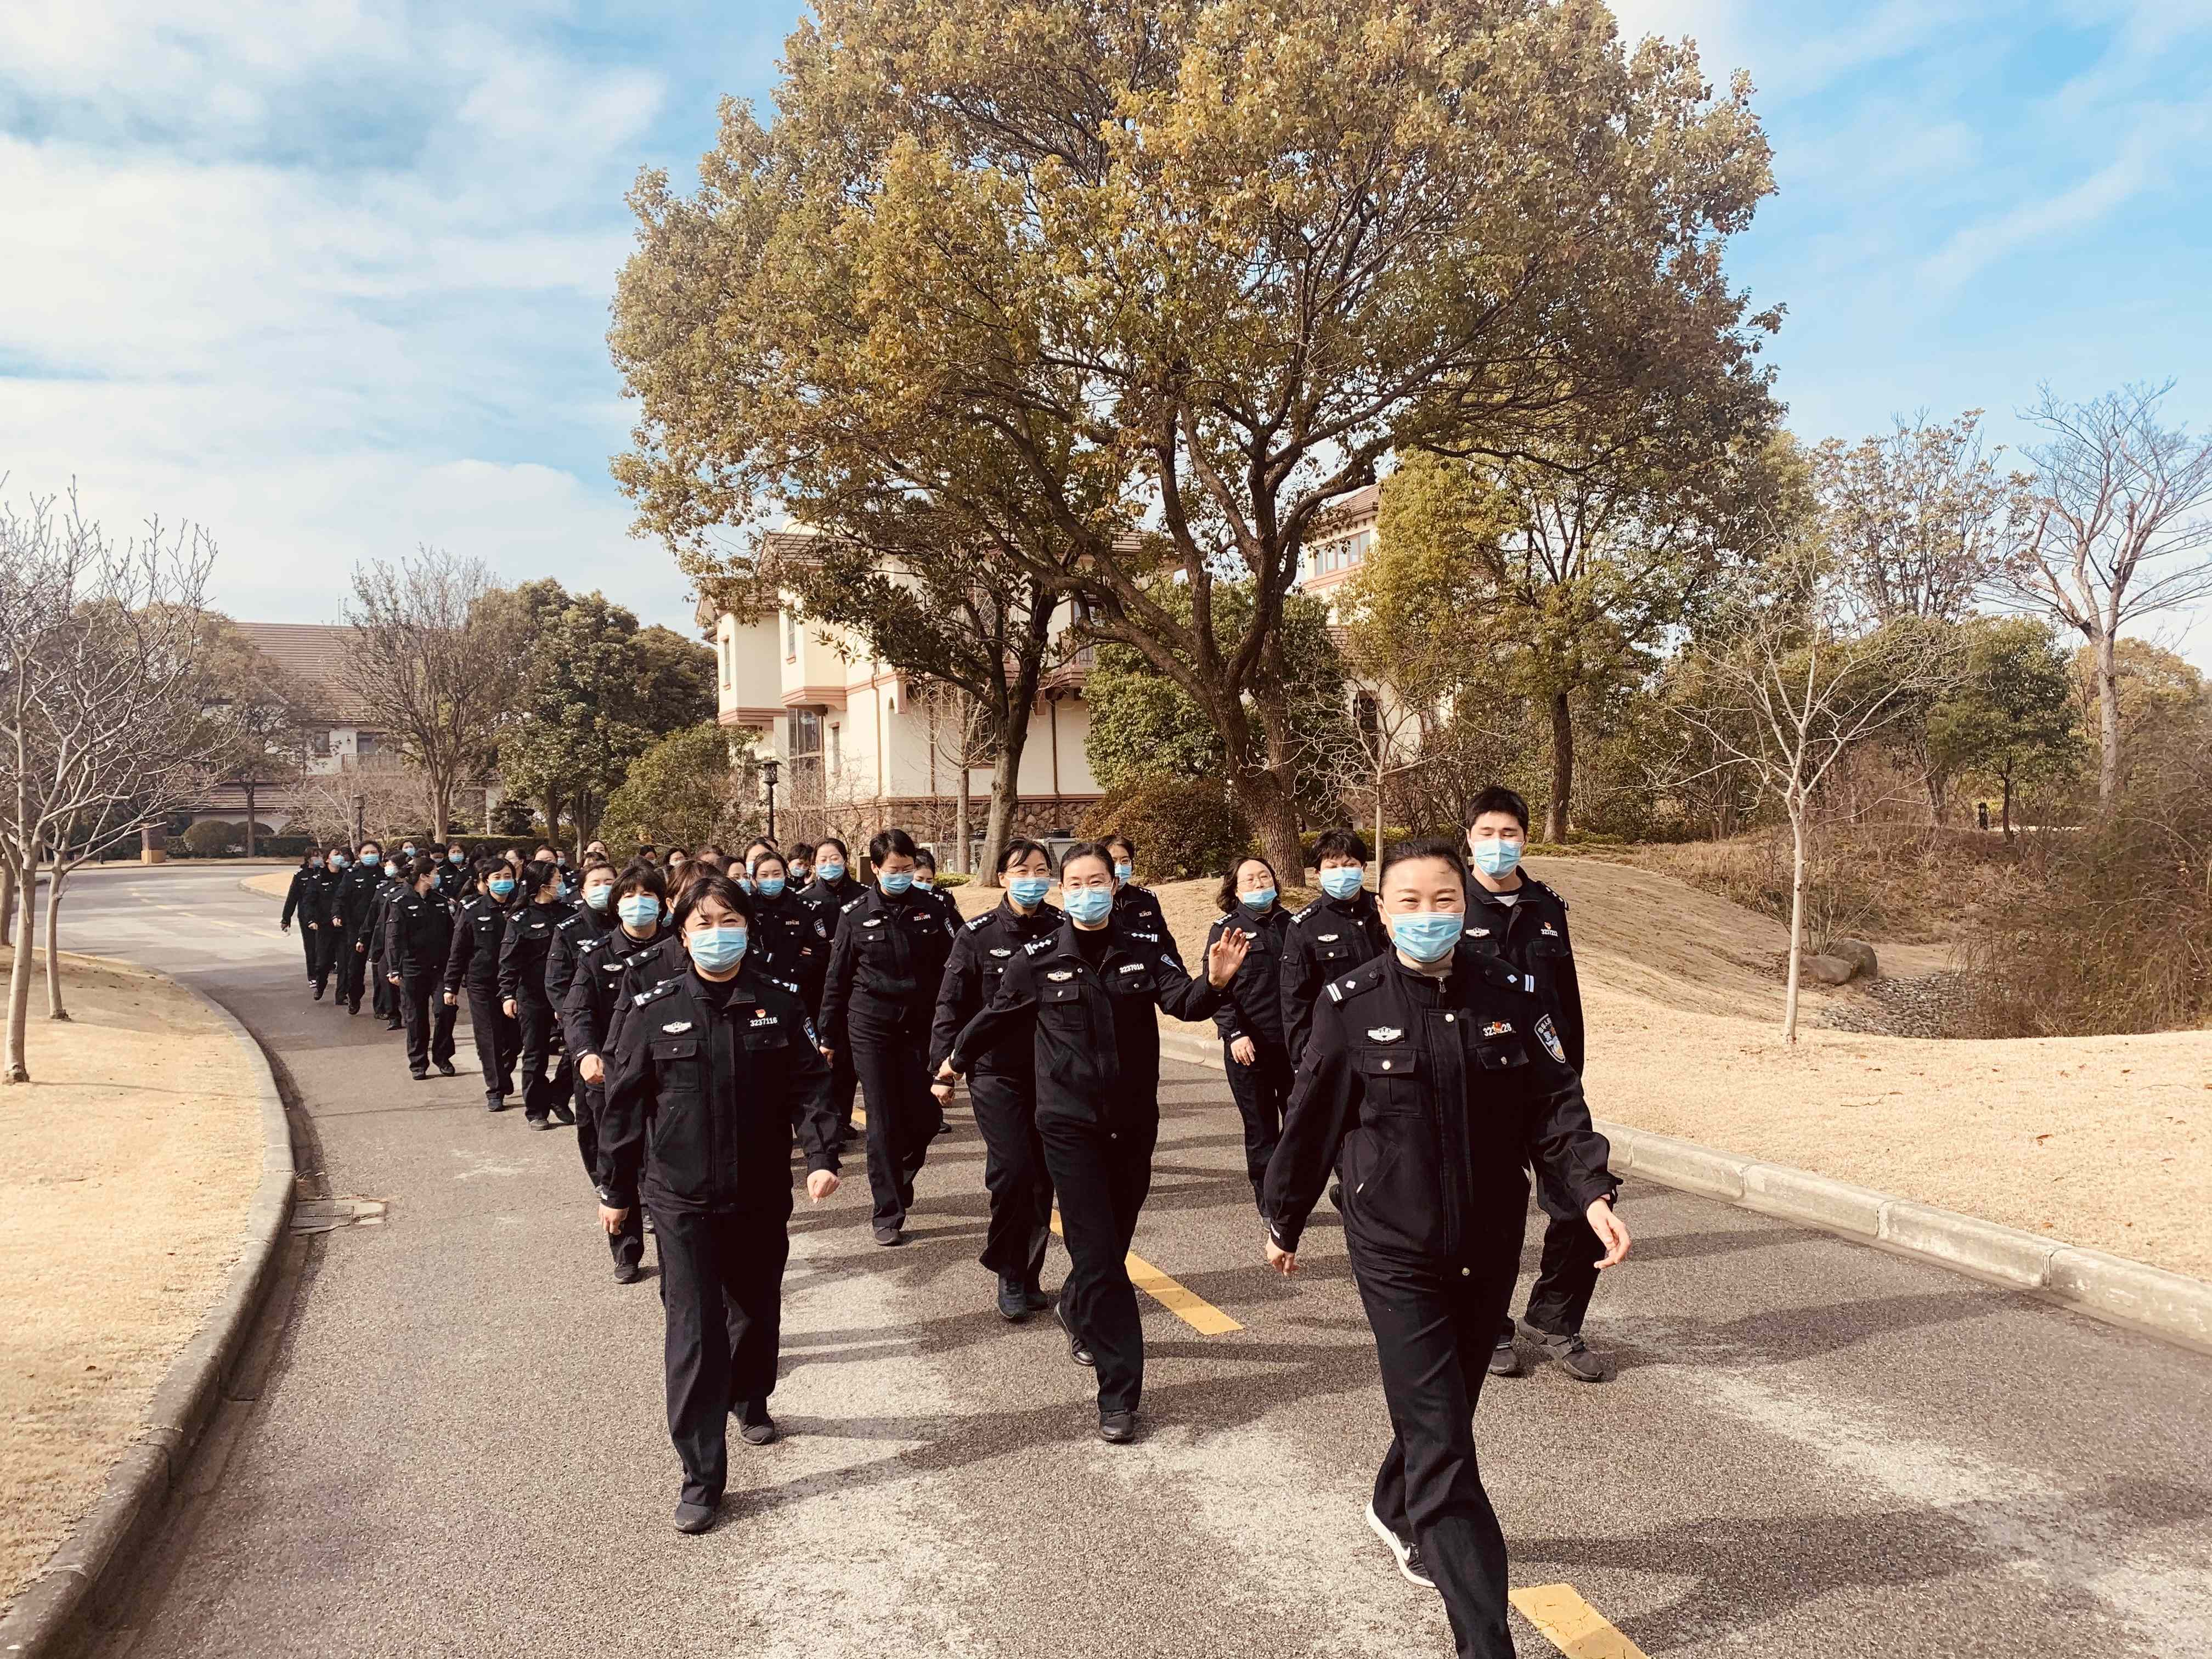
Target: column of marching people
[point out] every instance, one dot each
(1412, 1049)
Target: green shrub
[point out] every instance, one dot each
(1183, 827)
(212, 838)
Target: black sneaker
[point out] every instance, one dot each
(754, 1426)
(1076, 1351)
(445, 1069)
(889, 1238)
(318, 990)
(1013, 1302)
(1405, 1552)
(420, 1077)
(628, 1273)
(1570, 1355)
(495, 1103)
(538, 1122)
(565, 1116)
(1033, 1294)
(1117, 1428)
(1505, 1359)
(1336, 1195)
(695, 1517)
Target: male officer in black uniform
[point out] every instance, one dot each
(1333, 935)
(418, 935)
(1436, 1079)
(884, 966)
(1002, 1081)
(351, 902)
(1517, 918)
(833, 889)
(604, 965)
(472, 967)
(1137, 909)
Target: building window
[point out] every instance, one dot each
(803, 751)
(790, 636)
(728, 653)
(836, 748)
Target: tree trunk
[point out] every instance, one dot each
(1266, 800)
(961, 829)
(1005, 789)
(1563, 770)
(7, 901)
(249, 817)
(2108, 724)
(1939, 799)
(19, 973)
(54, 879)
(2005, 782)
(1796, 920)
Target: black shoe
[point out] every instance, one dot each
(889, 1238)
(1034, 1295)
(1505, 1359)
(445, 1069)
(648, 1223)
(1076, 1351)
(1117, 1428)
(695, 1517)
(754, 1426)
(395, 1024)
(565, 1115)
(943, 1129)
(1336, 1195)
(495, 1103)
(1569, 1354)
(539, 1122)
(1405, 1552)
(318, 990)
(1013, 1303)
(628, 1273)
(420, 1077)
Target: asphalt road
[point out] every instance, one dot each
(1811, 1446)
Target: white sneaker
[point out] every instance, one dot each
(1411, 1567)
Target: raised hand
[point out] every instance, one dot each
(1226, 956)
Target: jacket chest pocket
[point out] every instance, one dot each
(767, 1039)
(1499, 1055)
(1061, 1007)
(678, 1062)
(1131, 979)
(1333, 956)
(1391, 1079)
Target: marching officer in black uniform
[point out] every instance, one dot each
(885, 961)
(452, 871)
(791, 932)
(1517, 918)
(834, 889)
(1137, 909)
(1002, 1080)
(1437, 1078)
(925, 887)
(523, 995)
(1085, 996)
(638, 901)
(592, 916)
(1254, 1051)
(472, 968)
(384, 989)
(418, 936)
(351, 900)
(712, 1068)
(309, 898)
(1332, 936)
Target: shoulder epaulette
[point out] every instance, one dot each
(979, 921)
(849, 904)
(1037, 945)
(657, 992)
(1365, 977)
(592, 944)
(1304, 914)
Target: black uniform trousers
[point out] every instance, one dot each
(1014, 1174)
(540, 1094)
(1261, 1089)
(1566, 1278)
(1102, 1173)
(352, 967)
(429, 1020)
(498, 1038)
(844, 1080)
(1433, 1325)
(721, 1283)
(892, 1058)
(385, 997)
(311, 946)
(627, 1245)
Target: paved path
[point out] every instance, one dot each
(1812, 1447)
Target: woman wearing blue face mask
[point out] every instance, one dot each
(523, 995)
(926, 886)
(1254, 1050)
(1137, 909)
(309, 898)
(793, 942)
(1436, 1080)
(1332, 936)
(1002, 1080)
(472, 969)
(712, 1068)
(834, 891)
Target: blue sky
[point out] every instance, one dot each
(333, 278)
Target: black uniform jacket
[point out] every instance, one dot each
(706, 1083)
(833, 897)
(1531, 934)
(601, 980)
(663, 959)
(982, 952)
(1327, 939)
(529, 941)
(352, 895)
(570, 935)
(309, 897)
(791, 941)
(479, 930)
(1435, 1094)
(943, 899)
(388, 893)
(1253, 1004)
(418, 934)
(1096, 1045)
(884, 964)
(1137, 912)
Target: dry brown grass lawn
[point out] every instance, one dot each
(127, 1167)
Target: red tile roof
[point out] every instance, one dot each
(315, 653)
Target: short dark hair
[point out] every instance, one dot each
(711, 883)
(1227, 899)
(1020, 848)
(1498, 799)
(424, 865)
(1117, 839)
(1340, 844)
(639, 878)
(782, 863)
(923, 855)
(1423, 846)
(888, 841)
(485, 868)
(844, 851)
(1101, 850)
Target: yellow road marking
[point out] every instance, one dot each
(1571, 1625)
(1193, 1309)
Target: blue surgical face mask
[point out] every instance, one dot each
(597, 894)
(924, 884)
(1496, 856)
(1341, 881)
(1426, 935)
(769, 886)
(408, 851)
(744, 883)
(639, 910)
(457, 858)
(1088, 905)
(314, 864)
(1261, 901)
(1123, 872)
(715, 950)
(1029, 891)
(896, 881)
(391, 869)
(338, 860)
(501, 886)
(830, 870)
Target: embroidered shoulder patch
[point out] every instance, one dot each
(1548, 1034)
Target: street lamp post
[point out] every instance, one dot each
(767, 777)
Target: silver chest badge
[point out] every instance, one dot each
(676, 1025)
(1384, 1033)
(996, 952)
(1328, 938)
(1059, 974)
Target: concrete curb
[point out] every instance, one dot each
(2170, 1306)
(88, 1575)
